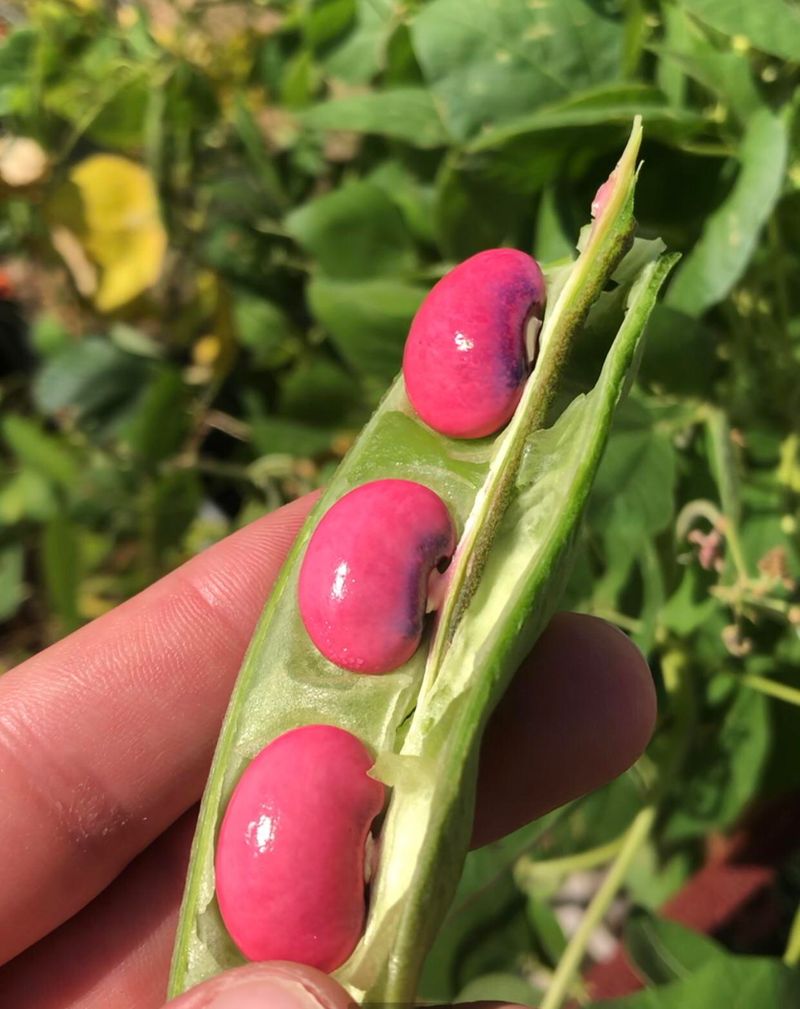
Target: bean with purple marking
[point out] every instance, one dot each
(291, 854)
(469, 350)
(365, 580)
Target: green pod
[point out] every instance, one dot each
(516, 499)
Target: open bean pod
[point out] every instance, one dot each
(514, 500)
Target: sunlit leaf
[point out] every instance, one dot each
(105, 222)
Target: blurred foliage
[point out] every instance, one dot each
(217, 221)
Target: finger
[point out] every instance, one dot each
(578, 713)
(114, 954)
(278, 985)
(106, 737)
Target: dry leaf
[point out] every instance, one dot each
(106, 215)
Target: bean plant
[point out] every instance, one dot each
(290, 180)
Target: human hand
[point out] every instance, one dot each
(106, 739)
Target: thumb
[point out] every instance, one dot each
(274, 985)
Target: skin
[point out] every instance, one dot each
(107, 736)
(363, 584)
(291, 848)
(465, 360)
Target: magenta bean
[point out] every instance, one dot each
(365, 577)
(290, 860)
(467, 355)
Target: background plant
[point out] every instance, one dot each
(217, 220)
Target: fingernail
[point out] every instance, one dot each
(272, 993)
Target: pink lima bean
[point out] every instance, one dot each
(364, 582)
(290, 861)
(468, 353)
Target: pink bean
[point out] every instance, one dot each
(364, 580)
(466, 358)
(290, 862)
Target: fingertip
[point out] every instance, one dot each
(619, 679)
(579, 712)
(276, 985)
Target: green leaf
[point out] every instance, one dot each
(326, 20)
(723, 768)
(770, 25)
(265, 330)
(61, 565)
(95, 380)
(16, 61)
(663, 951)
(690, 605)
(688, 53)
(161, 418)
(486, 63)
(319, 392)
(173, 503)
(368, 320)
(27, 496)
(734, 982)
(414, 198)
(354, 232)
(281, 435)
(729, 237)
(552, 242)
(363, 53)
(12, 583)
(597, 107)
(679, 357)
(549, 935)
(260, 160)
(407, 114)
(486, 897)
(499, 987)
(633, 496)
(44, 453)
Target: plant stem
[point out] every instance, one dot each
(529, 871)
(781, 691)
(573, 955)
(724, 467)
(792, 955)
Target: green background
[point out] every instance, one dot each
(318, 165)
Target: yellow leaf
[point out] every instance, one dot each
(109, 207)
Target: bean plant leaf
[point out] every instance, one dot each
(770, 25)
(12, 582)
(403, 113)
(367, 319)
(714, 265)
(663, 951)
(354, 232)
(736, 982)
(516, 501)
(483, 68)
(722, 771)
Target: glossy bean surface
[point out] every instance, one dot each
(364, 580)
(467, 358)
(290, 860)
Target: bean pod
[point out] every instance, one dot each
(364, 582)
(469, 352)
(290, 860)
